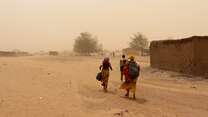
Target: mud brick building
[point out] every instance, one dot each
(189, 55)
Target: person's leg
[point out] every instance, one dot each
(134, 91)
(134, 95)
(127, 93)
(103, 78)
(121, 76)
(105, 86)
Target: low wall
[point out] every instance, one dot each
(186, 55)
(172, 55)
(201, 56)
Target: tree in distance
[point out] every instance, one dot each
(86, 44)
(139, 42)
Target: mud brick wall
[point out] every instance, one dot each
(201, 56)
(188, 55)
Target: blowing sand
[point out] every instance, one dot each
(66, 87)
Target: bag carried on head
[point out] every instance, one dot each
(133, 70)
(99, 76)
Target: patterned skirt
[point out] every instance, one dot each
(129, 85)
(105, 76)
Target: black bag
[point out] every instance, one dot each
(99, 76)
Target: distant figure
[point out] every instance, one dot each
(122, 63)
(105, 68)
(114, 54)
(131, 72)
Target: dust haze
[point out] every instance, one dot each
(34, 25)
(52, 52)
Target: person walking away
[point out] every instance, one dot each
(122, 63)
(131, 72)
(105, 71)
(126, 84)
(134, 72)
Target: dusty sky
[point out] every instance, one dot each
(34, 25)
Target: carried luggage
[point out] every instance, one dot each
(99, 76)
(133, 70)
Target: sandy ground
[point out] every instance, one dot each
(66, 87)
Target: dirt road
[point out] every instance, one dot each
(66, 87)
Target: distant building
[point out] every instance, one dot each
(145, 52)
(13, 53)
(186, 55)
(20, 53)
(7, 53)
(53, 53)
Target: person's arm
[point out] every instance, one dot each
(110, 67)
(139, 70)
(101, 66)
